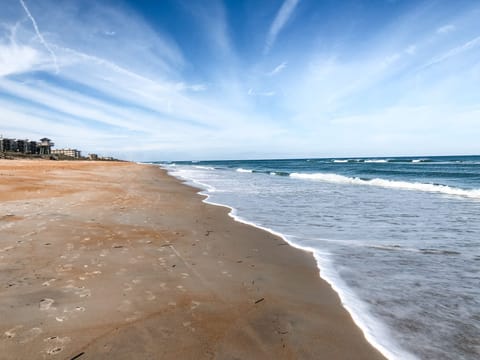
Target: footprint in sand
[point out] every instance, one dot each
(6, 248)
(11, 333)
(49, 282)
(150, 296)
(81, 291)
(188, 324)
(56, 344)
(226, 273)
(144, 241)
(46, 304)
(135, 316)
(194, 305)
(64, 268)
(92, 273)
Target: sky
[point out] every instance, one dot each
(192, 80)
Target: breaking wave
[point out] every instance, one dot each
(391, 184)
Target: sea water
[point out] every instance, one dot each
(397, 238)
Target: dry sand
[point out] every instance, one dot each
(121, 261)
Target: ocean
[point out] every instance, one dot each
(398, 238)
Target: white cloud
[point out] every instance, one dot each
(454, 52)
(446, 29)
(281, 19)
(16, 59)
(194, 87)
(278, 69)
(252, 92)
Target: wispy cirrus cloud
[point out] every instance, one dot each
(40, 36)
(446, 29)
(278, 69)
(457, 50)
(281, 19)
(252, 92)
(114, 94)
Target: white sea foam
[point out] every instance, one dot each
(244, 170)
(375, 332)
(376, 161)
(188, 178)
(204, 167)
(391, 184)
(340, 161)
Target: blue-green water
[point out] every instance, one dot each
(398, 238)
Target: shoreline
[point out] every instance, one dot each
(362, 317)
(139, 260)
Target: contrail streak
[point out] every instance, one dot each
(40, 36)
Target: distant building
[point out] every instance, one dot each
(32, 146)
(25, 147)
(42, 147)
(45, 146)
(7, 144)
(73, 153)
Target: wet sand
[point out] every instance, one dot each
(103, 260)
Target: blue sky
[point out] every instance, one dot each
(185, 79)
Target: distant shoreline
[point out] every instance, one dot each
(20, 156)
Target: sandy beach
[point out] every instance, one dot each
(111, 260)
